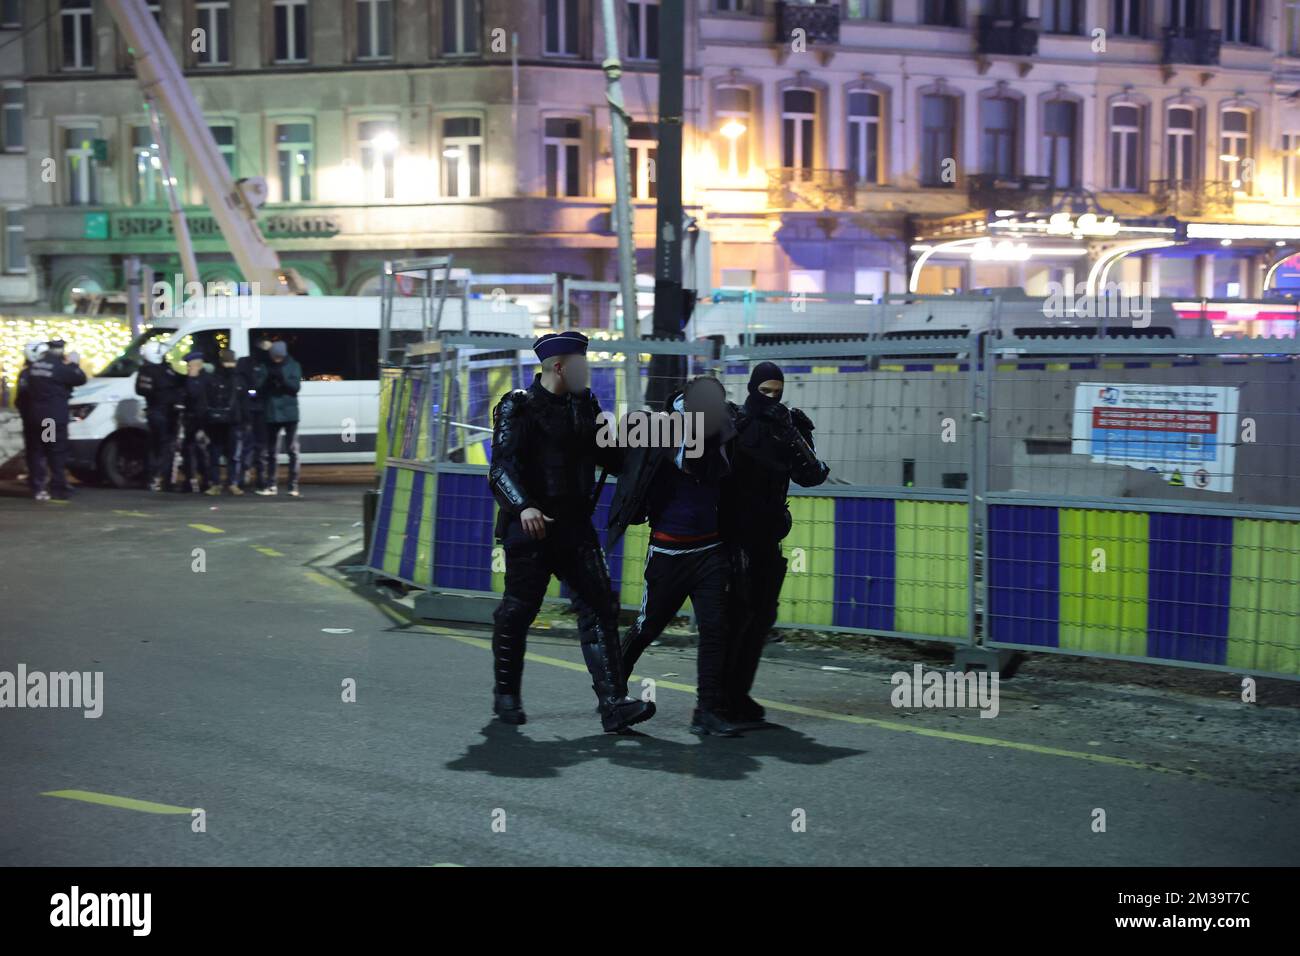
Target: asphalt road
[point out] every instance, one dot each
(223, 690)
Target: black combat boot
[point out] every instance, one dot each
(600, 649)
(509, 707)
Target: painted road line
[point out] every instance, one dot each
(208, 528)
(269, 552)
(124, 803)
(822, 714)
(129, 514)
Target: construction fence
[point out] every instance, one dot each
(1130, 499)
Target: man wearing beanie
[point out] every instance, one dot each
(544, 453)
(773, 446)
(283, 380)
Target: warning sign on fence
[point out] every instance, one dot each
(1184, 433)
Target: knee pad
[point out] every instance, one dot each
(514, 615)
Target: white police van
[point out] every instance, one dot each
(334, 338)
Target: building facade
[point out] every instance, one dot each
(862, 147)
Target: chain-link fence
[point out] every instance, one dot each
(1111, 495)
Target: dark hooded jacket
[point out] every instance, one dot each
(642, 473)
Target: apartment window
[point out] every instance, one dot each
(12, 127)
(1001, 135)
(77, 29)
(291, 31)
(15, 242)
(378, 142)
(1239, 21)
(561, 27)
(1235, 148)
(798, 129)
(1126, 18)
(1186, 14)
(79, 169)
(1291, 26)
(938, 140)
(1060, 140)
(11, 14)
(462, 156)
(293, 147)
(1180, 146)
(374, 29)
(643, 30)
(942, 13)
(733, 6)
(866, 9)
(1060, 16)
(563, 147)
(864, 136)
(1125, 170)
(732, 106)
(643, 153)
(214, 20)
(224, 134)
(460, 27)
(146, 168)
(1291, 165)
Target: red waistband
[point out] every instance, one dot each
(684, 538)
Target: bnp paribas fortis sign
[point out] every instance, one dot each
(158, 225)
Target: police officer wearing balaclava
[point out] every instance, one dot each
(773, 447)
(51, 379)
(544, 451)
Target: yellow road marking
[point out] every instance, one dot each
(269, 552)
(815, 712)
(130, 514)
(109, 800)
(208, 528)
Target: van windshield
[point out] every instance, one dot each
(128, 363)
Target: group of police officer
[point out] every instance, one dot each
(233, 411)
(716, 516)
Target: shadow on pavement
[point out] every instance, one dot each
(508, 751)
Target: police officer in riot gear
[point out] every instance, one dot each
(51, 379)
(31, 430)
(773, 447)
(163, 392)
(544, 451)
(194, 458)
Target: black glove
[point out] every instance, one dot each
(801, 421)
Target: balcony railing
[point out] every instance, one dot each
(1191, 45)
(1007, 36)
(1021, 193)
(1177, 197)
(820, 22)
(816, 189)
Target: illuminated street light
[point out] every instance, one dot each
(732, 129)
(385, 143)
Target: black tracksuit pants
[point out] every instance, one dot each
(571, 552)
(705, 577)
(757, 594)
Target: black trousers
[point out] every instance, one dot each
(755, 600)
(48, 460)
(223, 440)
(706, 578)
(194, 454)
(571, 552)
(252, 448)
(162, 442)
(31, 448)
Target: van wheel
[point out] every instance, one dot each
(123, 461)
